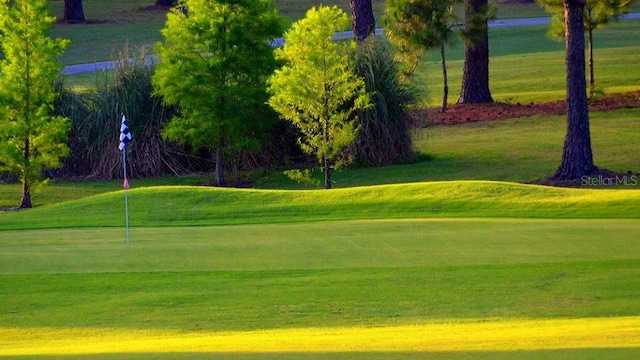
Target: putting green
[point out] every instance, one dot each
(319, 245)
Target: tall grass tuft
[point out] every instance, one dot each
(73, 106)
(384, 135)
(96, 117)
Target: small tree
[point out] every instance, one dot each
(417, 26)
(30, 138)
(214, 66)
(597, 13)
(317, 89)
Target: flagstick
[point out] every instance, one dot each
(126, 202)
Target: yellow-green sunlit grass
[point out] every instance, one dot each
(193, 205)
(484, 335)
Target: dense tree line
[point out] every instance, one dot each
(208, 96)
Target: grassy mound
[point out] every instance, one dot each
(188, 206)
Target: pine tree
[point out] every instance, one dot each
(317, 89)
(30, 138)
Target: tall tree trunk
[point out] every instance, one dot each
(325, 158)
(327, 172)
(219, 172)
(577, 158)
(73, 11)
(26, 196)
(592, 79)
(26, 191)
(445, 79)
(363, 22)
(475, 76)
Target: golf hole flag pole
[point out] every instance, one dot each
(125, 138)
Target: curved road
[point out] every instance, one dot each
(107, 65)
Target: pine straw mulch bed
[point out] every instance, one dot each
(468, 113)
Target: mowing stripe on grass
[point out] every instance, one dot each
(349, 244)
(488, 335)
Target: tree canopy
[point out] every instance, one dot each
(215, 61)
(417, 26)
(30, 138)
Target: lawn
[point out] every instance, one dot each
(393, 284)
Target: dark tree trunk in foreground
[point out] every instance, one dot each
(363, 22)
(26, 191)
(219, 171)
(445, 79)
(577, 158)
(592, 79)
(26, 197)
(475, 76)
(164, 2)
(73, 11)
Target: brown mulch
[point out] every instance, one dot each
(468, 113)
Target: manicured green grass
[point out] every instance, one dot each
(392, 286)
(351, 244)
(190, 206)
(111, 24)
(534, 70)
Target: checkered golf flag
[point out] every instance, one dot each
(125, 134)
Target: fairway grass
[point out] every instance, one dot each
(304, 246)
(367, 289)
(455, 269)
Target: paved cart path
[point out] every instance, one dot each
(108, 65)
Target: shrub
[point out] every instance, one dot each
(384, 135)
(96, 117)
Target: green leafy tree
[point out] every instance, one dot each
(417, 26)
(317, 89)
(214, 64)
(30, 138)
(597, 13)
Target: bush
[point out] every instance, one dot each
(96, 116)
(384, 135)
